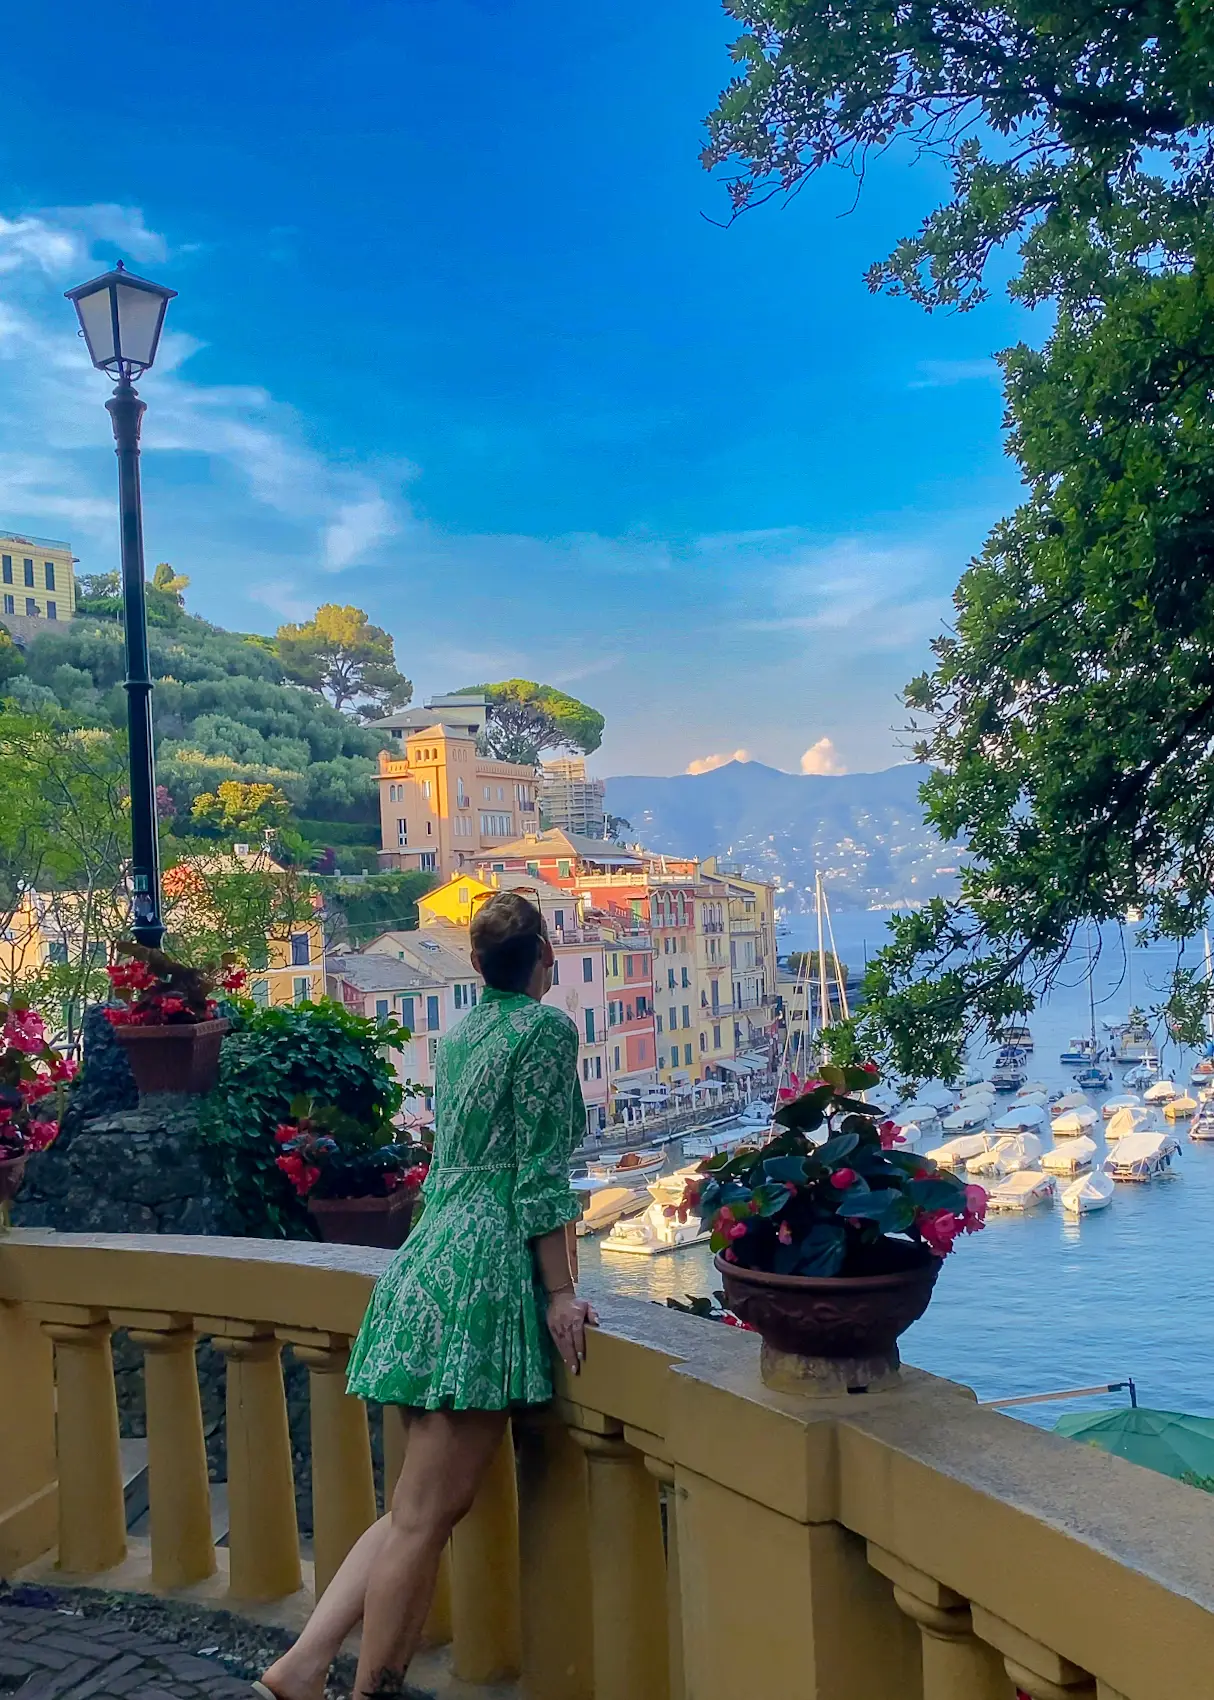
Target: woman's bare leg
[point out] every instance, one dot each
(300, 1673)
(448, 1455)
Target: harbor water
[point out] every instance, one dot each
(1044, 1300)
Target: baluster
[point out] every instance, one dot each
(29, 1492)
(343, 1483)
(92, 1514)
(663, 1474)
(485, 1579)
(179, 1493)
(436, 1632)
(263, 1536)
(956, 1664)
(1038, 1671)
(628, 1572)
(554, 1562)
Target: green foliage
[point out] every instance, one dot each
(235, 809)
(526, 719)
(341, 654)
(11, 660)
(381, 903)
(272, 1059)
(1068, 716)
(223, 711)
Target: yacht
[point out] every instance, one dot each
(1132, 1042)
(1082, 1052)
(1072, 1158)
(654, 1232)
(1141, 1157)
(1019, 1036)
(1024, 1190)
(1094, 1079)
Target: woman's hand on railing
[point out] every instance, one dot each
(567, 1319)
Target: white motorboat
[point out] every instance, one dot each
(1142, 1156)
(1039, 1098)
(955, 1153)
(937, 1093)
(910, 1135)
(1072, 1158)
(1021, 1119)
(1180, 1108)
(1202, 1125)
(612, 1167)
(1081, 1053)
(1068, 1101)
(1142, 1075)
(1132, 1042)
(756, 1114)
(967, 1116)
(1024, 1190)
(1111, 1106)
(1131, 1118)
(979, 1089)
(716, 1140)
(1019, 1036)
(654, 1232)
(605, 1208)
(1032, 1088)
(1009, 1078)
(923, 1114)
(1071, 1122)
(1088, 1193)
(1162, 1092)
(1203, 1074)
(1018, 1151)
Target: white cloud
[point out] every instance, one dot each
(822, 758)
(706, 764)
(864, 593)
(53, 464)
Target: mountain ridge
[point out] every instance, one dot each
(864, 832)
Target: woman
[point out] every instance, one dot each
(461, 1323)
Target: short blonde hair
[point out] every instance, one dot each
(506, 933)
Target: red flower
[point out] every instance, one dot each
(64, 1068)
(25, 1032)
(939, 1229)
(842, 1179)
(172, 1005)
(737, 1231)
(890, 1134)
(870, 1068)
(302, 1176)
(785, 1234)
(40, 1135)
(975, 1210)
(234, 982)
(41, 1086)
(732, 1321)
(285, 1131)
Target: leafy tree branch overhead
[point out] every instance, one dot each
(1068, 715)
(339, 653)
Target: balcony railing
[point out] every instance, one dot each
(670, 1529)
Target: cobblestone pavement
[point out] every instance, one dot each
(57, 1655)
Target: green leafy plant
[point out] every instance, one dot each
(273, 1059)
(838, 1207)
(153, 989)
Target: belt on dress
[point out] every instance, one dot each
(472, 1169)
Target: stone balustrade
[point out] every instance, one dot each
(670, 1529)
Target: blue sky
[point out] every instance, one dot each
(459, 341)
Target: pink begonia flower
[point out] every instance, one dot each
(25, 1032)
(975, 1210)
(785, 1234)
(939, 1229)
(890, 1134)
(738, 1231)
(842, 1179)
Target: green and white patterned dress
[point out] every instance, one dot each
(457, 1320)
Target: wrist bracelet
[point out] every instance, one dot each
(555, 1292)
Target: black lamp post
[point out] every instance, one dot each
(120, 320)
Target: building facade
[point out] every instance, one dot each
(631, 1030)
(376, 984)
(37, 583)
(443, 807)
(571, 801)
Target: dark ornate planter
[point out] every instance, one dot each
(182, 1057)
(835, 1333)
(383, 1222)
(11, 1171)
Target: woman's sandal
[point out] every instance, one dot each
(262, 1692)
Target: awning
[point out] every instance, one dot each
(736, 1065)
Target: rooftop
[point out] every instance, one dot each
(34, 542)
(379, 973)
(555, 841)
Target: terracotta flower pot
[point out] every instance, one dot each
(179, 1057)
(383, 1222)
(835, 1332)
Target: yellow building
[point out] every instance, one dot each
(443, 807)
(37, 582)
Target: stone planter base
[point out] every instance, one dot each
(382, 1222)
(181, 1057)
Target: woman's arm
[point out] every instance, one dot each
(567, 1314)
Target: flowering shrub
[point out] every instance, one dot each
(155, 990)
(795, 1207)
(33, 1077)
(325, 1154)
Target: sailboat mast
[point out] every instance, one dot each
(1091, 994)
(823, 996)
(1205, 933)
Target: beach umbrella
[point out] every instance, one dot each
(1170, 1442)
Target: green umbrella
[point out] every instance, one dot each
(1168, 1441)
